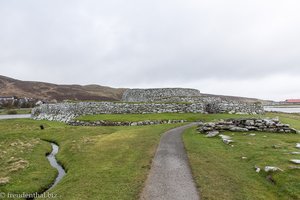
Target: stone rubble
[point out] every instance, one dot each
(295, 153)
(247, 124)
(212, 133)
(4, 180)
(294, 167)
(272, 169)
(112, 123)
(257, 169)
(226, 139)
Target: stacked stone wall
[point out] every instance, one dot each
(157, 94)
(154, 101)
(66, 112)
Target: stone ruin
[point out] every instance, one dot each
(158, 94)
(212, 129)
(140, 101)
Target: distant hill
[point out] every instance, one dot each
(50, 92)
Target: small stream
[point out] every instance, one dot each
(53, 162)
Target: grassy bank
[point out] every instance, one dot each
(221, 173)
(15, 111)
(113, 162)
(101, 162)
(191, 117)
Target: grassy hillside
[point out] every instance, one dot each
(41, 90)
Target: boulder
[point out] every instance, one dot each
(225, 137)
(295, 153)
(272, 169)
(238, 129)
(249, 122)
(295, 161)
(212, 133)
(227, 141)
(257, 169)
(4, 180)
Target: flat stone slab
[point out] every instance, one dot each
(272, 169)
(295, 153)
(170, 176)
(296, 161)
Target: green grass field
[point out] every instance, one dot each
(113, 162)
(221, 173)
(101, 162)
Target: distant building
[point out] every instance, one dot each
(292, 101)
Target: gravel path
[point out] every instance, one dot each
(170, 176)
(18, 116)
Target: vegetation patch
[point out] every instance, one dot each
(101, 162)
(113, 162)
(229, 171)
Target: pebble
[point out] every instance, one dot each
(272, 169)
(257, 169)
(295, 152)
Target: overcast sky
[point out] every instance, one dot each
(244, 48)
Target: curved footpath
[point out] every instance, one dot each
(170, 176)
(17, 116)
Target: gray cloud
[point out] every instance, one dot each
(152, 43)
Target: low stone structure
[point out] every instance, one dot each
(243, 125)
(127, 123)
(66, 112)
(157, 94)
(211, 104)
(139, 101)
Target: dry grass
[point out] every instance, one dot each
(4, 180)
(40, 90)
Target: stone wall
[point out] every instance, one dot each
(154, 101)
(244, 125)
(66, 112)
(157, 94)
(213, 104)
(126, 123)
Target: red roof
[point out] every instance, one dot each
(292, 100)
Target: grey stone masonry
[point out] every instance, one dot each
(66, 112)
(245, 125)
(157, 94)
(126, 123)
(139, 101)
